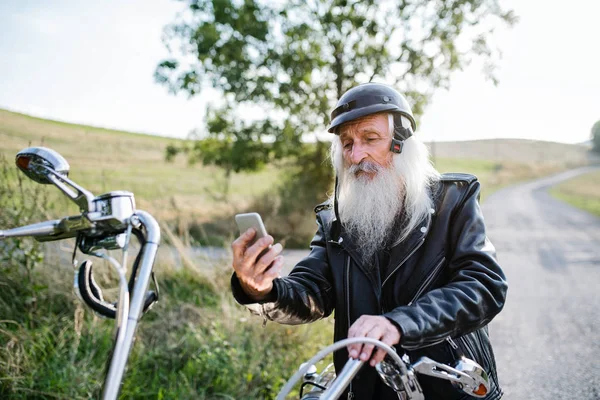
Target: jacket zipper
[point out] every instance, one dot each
(404, 260)
(420, 291)
(350, 392)
(428, 280)
(468, 348)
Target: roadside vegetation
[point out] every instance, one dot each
(196, 343)
(582, 192)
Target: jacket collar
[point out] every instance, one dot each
(400, 251)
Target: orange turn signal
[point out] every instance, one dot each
(480, 391)
(23, 162)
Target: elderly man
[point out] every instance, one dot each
(400, 254)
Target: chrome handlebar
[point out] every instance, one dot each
(466, 375)
(101, 229)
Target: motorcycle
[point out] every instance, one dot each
(106, 222)
(394, 371)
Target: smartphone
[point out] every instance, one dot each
(251, 220)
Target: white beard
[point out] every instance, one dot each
(369, 207)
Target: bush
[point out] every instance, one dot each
(596, 136)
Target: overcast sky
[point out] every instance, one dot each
(93, 63)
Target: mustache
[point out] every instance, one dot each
(364, 166)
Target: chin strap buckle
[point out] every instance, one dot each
(396, 146)
(400, 135)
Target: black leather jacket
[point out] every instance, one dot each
(444, 290)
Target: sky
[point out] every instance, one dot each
(93, 63)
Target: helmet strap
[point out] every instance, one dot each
(396, 146)
(400, 135)
(335, 232)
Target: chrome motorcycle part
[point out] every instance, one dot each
(467, 375)
(37, 162)
(106, 222)
(287, 388)
(405, 385)
(47, 166)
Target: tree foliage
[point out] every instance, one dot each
(596, 136)
(281, 66)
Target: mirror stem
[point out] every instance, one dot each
(83, 198)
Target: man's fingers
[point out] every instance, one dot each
(374, 333)
(358, 329)
(239, 245)
(263, 263)
(273, 271)
(377, 357)
(390, 338)
(253, 251)
(375, 327)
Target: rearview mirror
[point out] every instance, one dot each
(38, 162)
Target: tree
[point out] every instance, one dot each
(290, 61)
(596, 137)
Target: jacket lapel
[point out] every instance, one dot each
(400, 253)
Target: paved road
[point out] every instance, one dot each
(547, 339)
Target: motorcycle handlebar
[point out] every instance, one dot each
(47, 228)
(352, 370)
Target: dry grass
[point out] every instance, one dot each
(518, 151)
(104, 160)
(582, 192)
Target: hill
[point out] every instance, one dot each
(104, 160)
(515, 150)
(188, 197)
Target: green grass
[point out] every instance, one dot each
(195, 344)
(582, 192)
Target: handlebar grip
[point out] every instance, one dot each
(91, 293)
(151, 298)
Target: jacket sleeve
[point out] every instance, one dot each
(474, 294)
(305, 295)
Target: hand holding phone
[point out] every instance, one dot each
(251, 220)
(255, 272)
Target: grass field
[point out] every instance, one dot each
(582, 192)
(104, 160)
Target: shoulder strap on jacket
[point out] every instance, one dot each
(324, 205)
(326, 215)
(458, 177)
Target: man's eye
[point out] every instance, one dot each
(347, 145)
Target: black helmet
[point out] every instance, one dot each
(366, 99)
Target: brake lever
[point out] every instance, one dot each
(405, 384)
(471, 378)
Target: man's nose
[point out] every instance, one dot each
(358, 153)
